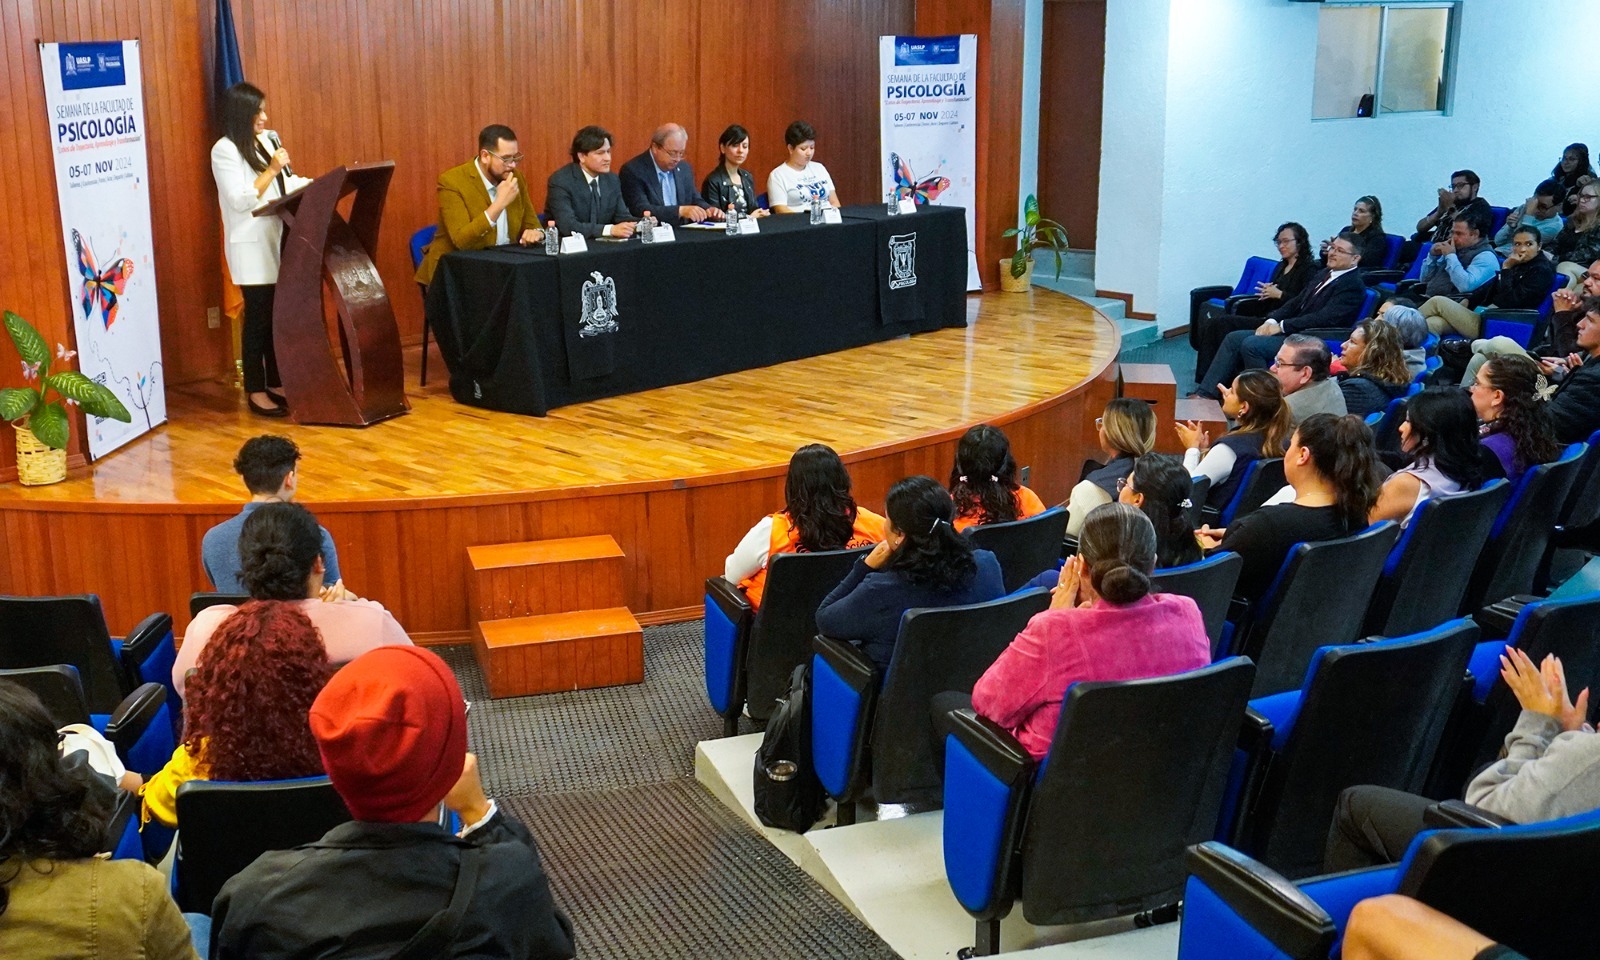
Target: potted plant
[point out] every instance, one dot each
(41, 423)
(1016, 271)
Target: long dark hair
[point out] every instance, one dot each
(1269, 412)
(48, 811)
(278, 545)
(1341, 450)
(240, 104)
(1523, 415)
(1444, 428)
(1302, 241)
(983, 480)
(1585, 168)
(933, 553)
(1166, 487)
(816, 496)
(733, 136)
(1377, 211)
(1118, 545)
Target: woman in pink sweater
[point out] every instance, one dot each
(1103, 624)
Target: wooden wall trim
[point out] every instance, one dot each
(1126, 298)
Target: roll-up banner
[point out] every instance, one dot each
(94, 93)
(929, 119)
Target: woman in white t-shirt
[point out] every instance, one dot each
(792, 184)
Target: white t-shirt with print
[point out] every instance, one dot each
(789, 187)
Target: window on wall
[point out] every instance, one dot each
(1383, 58)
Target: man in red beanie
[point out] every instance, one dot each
(393, 883)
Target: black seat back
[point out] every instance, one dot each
(1198, 492)
(939, 649)
(1432, 563)
(1522, 531)
(200, 601)
(780, 637)
(1209, 583)
(57, 687)
(1113, 811)
(1374, 714)
(1263, 477)
(45, 631)
(1025, 548)
(1569, 630)
(1317, 601)
(1583, 500)
(225, 826)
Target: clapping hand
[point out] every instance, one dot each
(1269, 291)
(1565, 300)
(1191, 436)
(1443, 248)
(1543, 689)
(1447, 197)
(336, 591)
(1073, 577)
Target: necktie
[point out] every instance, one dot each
(594, 196)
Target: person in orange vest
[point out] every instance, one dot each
(818, 514)
(983, 481)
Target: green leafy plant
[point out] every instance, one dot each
(1036, 232)
(45, 417)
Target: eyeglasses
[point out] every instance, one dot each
(1343, 251)
(672, 154)
(1122, 483)
(1459, 185)
(510, 161)
(1280, 241)
(1284, 363)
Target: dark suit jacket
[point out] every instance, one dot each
(463, 201)
(568, 203)
(719, 191)
(1575, 408)
(641, 188)
(1336, 305)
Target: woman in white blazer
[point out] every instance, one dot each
(252, 169)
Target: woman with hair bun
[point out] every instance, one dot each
(1103, 624)
(983, 481)
(280, 553)
(922, 562)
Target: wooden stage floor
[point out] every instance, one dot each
(447, 475)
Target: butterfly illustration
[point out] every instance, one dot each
(101, 287)
(907, 185)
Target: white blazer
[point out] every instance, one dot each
(252, 242)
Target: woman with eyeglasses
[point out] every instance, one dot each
(1569, 173)
(1127, 431)
(1289, 277)
(729, 182)
(1578, 243)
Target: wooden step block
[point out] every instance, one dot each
(1207, 412)
(544, 576)
(1155, 384)
(560, 651)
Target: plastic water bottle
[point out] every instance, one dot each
(892, 208)
(731, 227)
(552, 239)
(647, 228)
(816, 209)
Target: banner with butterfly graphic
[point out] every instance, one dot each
(928, 112)
(94, 93)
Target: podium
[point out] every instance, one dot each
(344, 369)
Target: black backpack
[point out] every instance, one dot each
(787, 793)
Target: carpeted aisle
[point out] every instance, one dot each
(647, 864)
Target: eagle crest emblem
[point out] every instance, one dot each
(599, 306)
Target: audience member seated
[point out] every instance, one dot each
(1575, 406)
(244, 712)
(1541, 212)
(1302, 365)
(818, 514)
(793, 184)
(392, 731)
(1262, 428)
(1160, 486)
(1459, 198)
(584, 196)
(1333, 470)
(270, 467)
(1330, 301)
(1402, 314)
(660, 181)
(1561, 339)
(1462, 263)
(58, 897)
(1127, 431)
(729, 182)
(1523, 283)
(923, 562)
(1515, 424)
(1578, 243)
(1375, 370)
(1366, 229)
(1572, 171)
(279, 547)
(1440, 437)
(1550, 769)
(1396, 927)
(1103, 624)
(983, 481)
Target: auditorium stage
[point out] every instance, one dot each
(676, 475)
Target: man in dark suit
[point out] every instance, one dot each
(662, 182)
(584, 196)
(1332, 298)
(1575, 407)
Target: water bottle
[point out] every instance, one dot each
(647, 227)
(552, 239)
(892, 208)
(731, 227)
(816, 209)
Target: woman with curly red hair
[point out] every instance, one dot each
(245, 716)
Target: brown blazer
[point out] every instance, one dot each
(463, 201)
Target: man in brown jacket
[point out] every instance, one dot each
(484, 202)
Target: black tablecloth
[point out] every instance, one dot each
(523, 332)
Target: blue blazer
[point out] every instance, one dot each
(641, 188)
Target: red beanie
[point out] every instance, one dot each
(392, 729)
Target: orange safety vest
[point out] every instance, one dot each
(1028, 505)
(869, 529)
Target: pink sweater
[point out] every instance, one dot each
(1156, 636)
(349, 628)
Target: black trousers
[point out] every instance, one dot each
(1208, 339)
(939, 709)
(255, 340)
(1372, 826)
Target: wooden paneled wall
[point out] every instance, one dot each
(1069, 115)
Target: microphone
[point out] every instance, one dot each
(276, 146)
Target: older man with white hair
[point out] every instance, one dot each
(661, 182)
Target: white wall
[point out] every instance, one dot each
(1032, 51)
(1209, 145)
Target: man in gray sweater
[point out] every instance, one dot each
(1551, 769)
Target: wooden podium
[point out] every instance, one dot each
(363, 382)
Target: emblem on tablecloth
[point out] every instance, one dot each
(600, 306)
(903, 261)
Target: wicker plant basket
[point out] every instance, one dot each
(38, 464)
